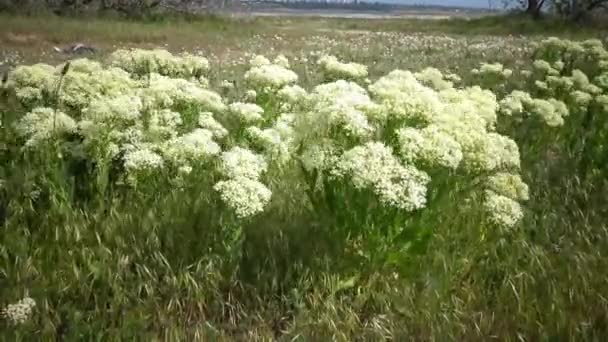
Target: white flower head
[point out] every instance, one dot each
(430, 145)
(334, 69)
(502, 211)
(373, 166)
(20, 312)
(245, 196)
(196, 145)
(206, 121)
(509, 185)
(241, 162)
(246, 112)
(43, 123)
(270, 77)
(142, 159)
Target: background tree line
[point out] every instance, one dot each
(568, 9)
(130, 8)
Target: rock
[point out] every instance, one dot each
(77, 49)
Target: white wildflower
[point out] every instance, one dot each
(195, 145)
(245, 196)
(246, 112)
(429, 145)
(509, 185)
(142, 159)
(19, 312)
(281, 60)
(206, 121)
(242, 163)
(270, 77)
(164, 122)
(547, 111)
(373, 166)
(250, 95)
(334, 69)
(42, 123)
(258, 61)
(433, 78)
(502, 211)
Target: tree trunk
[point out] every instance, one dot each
(534, 8)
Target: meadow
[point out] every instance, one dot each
(303, 180)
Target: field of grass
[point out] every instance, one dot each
(146, 196)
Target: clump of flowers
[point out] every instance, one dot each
(240, 162)
(245, 196)
(142, 62)
(207, 121)
(20, 312)
(505, 212)
(333, 69)
(242, 191)
(42, 124)
(433, 78)
(265, 76)
(551, 111)
(373, 166)
(33, 84)
(391, 140)
(246, 112)
(193, 146)
(492, 75)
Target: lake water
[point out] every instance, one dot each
(494, 4)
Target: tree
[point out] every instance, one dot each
(578, 9)
(534, 7)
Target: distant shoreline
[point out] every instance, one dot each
(349, 13)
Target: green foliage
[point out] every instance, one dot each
(161, 255)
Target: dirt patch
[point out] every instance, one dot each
(20, 38)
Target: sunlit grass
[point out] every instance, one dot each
(130, 267)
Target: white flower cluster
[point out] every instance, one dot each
(509, 185)
(430, 146)
(142, 159)
(79, 88)
(493, 70)
(19, 312)
(405, 98)
(347, 134)
(502, 210)
(245, 196)
(113, 111)
(148, 121)
(194, 146)
(207, 121)
(333, 69)
(383, 142)
(373, 166)
(42, 84)
(246, 112)
(293, 95)
(162, 91)
(265, 76)
(241, 162)
(276, 141)
(339, 106)
(41, 124)
(243, 192)
(163, 123)
(34, 83)
(551, 111)
(143, 62)
(433, 78)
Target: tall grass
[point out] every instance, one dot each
(104, 262)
